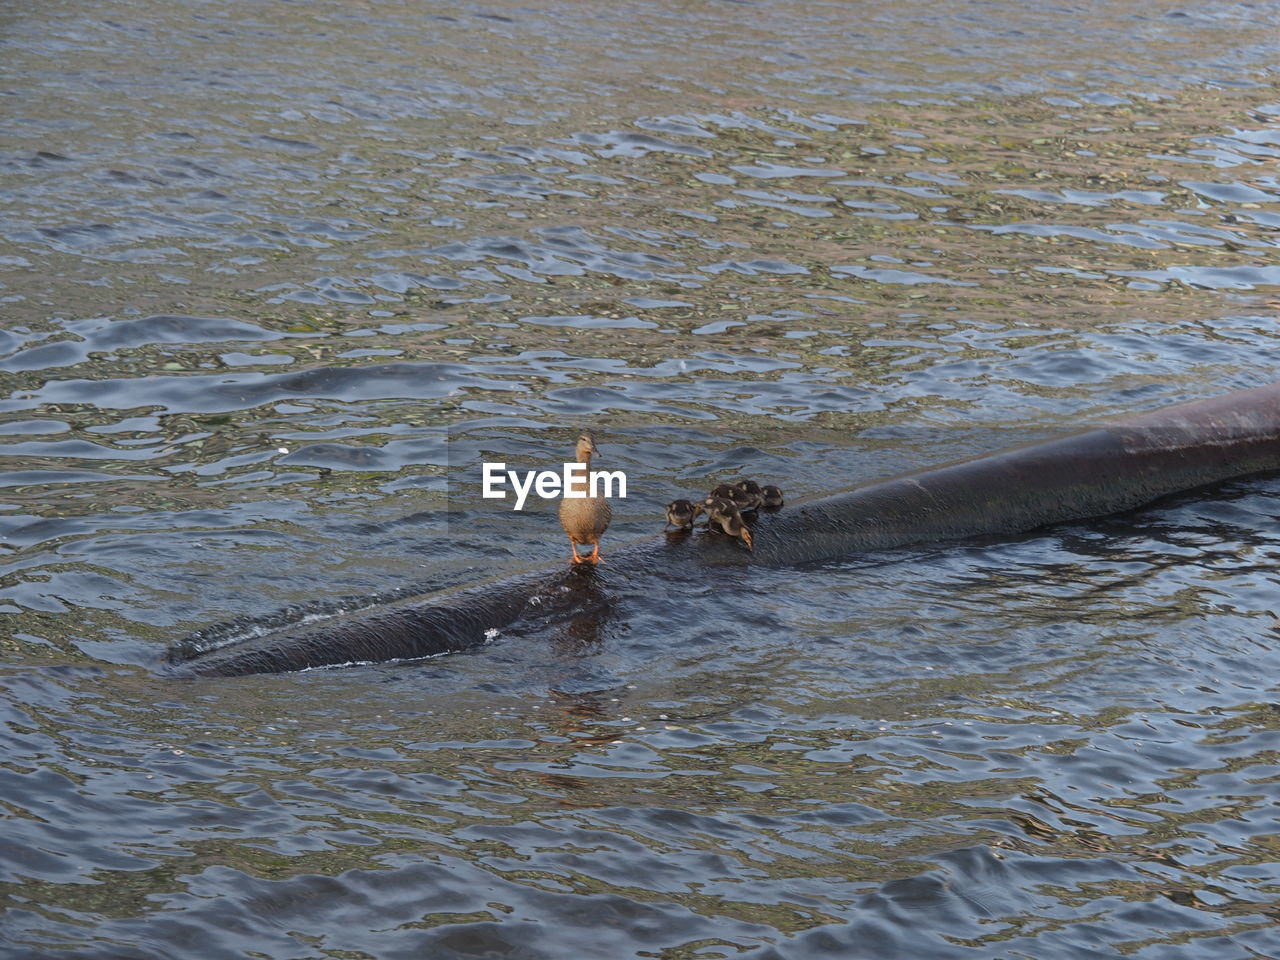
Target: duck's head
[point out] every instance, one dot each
(770, 496)
(682, 513)
(586, 448)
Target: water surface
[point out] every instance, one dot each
(277, 278)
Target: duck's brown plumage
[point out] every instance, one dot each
(585, 519)
(682, 513)
(727, 491)
(748, 494)
(724, 514)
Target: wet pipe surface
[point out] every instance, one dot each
(1107, 469)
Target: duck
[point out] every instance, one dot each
(682, 513)
(723, 513)
(749, 497)
(723, 491)
(586, 518)
(770, 496)
(727, 491)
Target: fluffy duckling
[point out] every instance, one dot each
(723, 491)
(585, 519)
(682, 513)
(727, 491)
(749, 496)
(723, 513)
(770, 496)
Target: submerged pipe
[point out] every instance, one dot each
(1109, 468)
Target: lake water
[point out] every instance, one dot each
(276, 278)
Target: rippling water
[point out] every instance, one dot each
(277, 277)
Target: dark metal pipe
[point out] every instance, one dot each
(1109, 468)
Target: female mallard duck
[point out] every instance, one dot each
(749, 497)
(682, 513)
(585, 518)
(770, 496)
(723, 513)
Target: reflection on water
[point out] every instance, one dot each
(276, 280)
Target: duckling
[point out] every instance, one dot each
(770, 496)
(727, 491)
(749, 497)
(725, 515)
(723, 491)
(709, 504)
(585, 519)
(682, 513)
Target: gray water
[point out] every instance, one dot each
(277, 277)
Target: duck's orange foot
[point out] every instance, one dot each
(594, 555)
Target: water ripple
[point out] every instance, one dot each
(268, 310)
